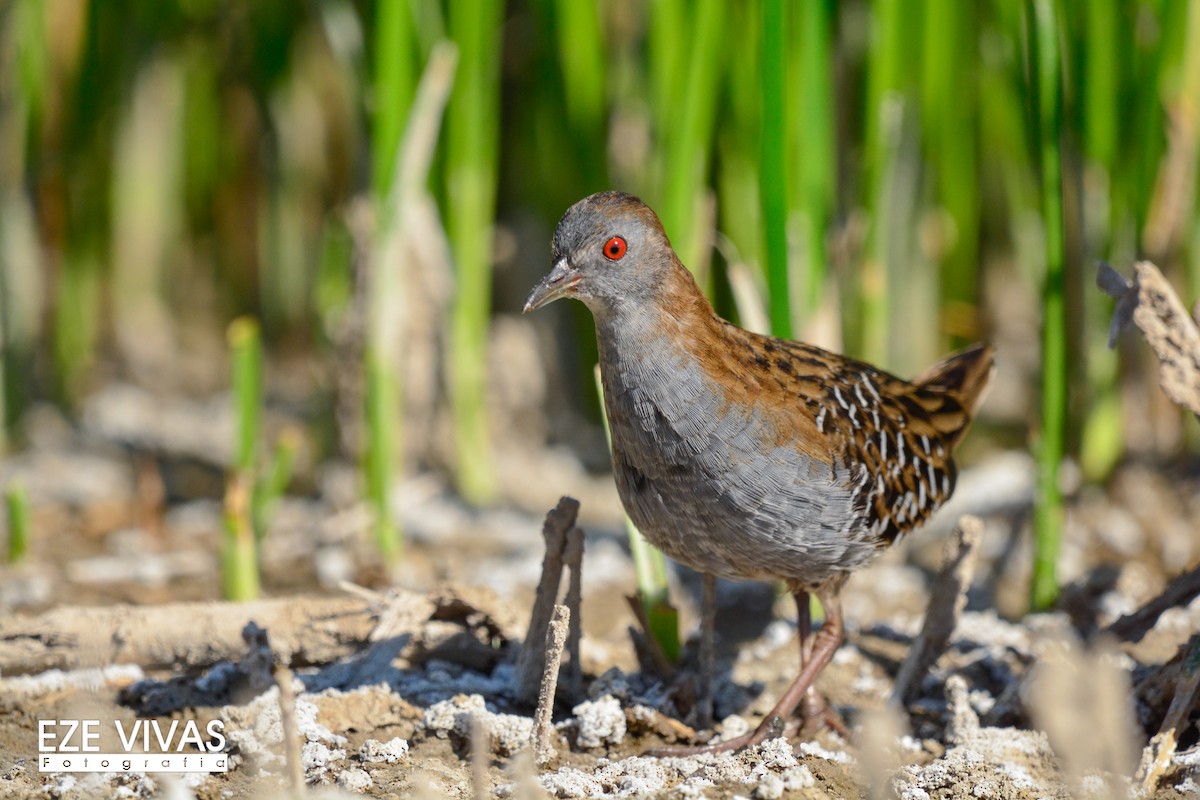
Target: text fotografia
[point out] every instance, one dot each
(149, 745)
(125, 762)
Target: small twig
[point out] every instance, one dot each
(946, 603)
(558, 524)
(543, 746)
(1179, 592)
(291, 732)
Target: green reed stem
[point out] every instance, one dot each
(885, 109)
(388, 258)
(650, 566)
(271, 485)
(394, 81)
(739, 147)
(245, 344)
(949, 118)
(689, 137)
(1046, 76)
(382, 419)
(239, 556)
(580, 28)
(1101, 110)
(16, 502)
(813, 135)
(1190, 88)
(472, 146)
(773, 187)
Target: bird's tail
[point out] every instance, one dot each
(962, 377)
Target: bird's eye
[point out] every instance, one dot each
(614, 248)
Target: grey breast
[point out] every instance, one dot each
(699, 479)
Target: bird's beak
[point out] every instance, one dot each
(559, 283)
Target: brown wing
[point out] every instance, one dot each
(898, 436)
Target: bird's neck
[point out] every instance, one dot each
(658, 333)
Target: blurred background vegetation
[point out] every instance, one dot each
(376, 183)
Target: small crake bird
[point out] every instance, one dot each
(746, 456)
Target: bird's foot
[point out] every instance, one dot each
(770, 728)
(816, 714)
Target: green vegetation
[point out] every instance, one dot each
(1045, 71)
(875, 167)
(239, 543)
(252, 487)
(395, 79)
(16, 504)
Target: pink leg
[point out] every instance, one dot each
(815, 713)
(814, 658)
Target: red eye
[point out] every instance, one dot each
(614, 249)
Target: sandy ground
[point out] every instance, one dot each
(413, 692)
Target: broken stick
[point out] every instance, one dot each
(946, 603)
(1151, 303)
(556, 531)
(543, 746)
(1179, 592)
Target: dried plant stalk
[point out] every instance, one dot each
(1179, 592)
(1151, 303)
(291, 731)
(559, 523)
(573, 556)
(946, 603)
(543, 746)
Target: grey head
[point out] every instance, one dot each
(609, 250)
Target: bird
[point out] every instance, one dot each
(746, 456)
